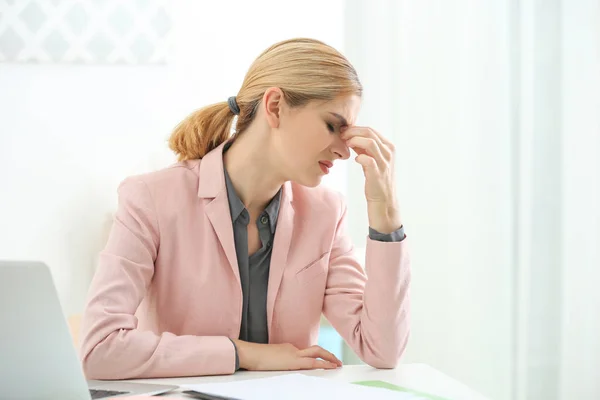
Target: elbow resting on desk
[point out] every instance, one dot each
(387, 359)
(94, 368)
(100, 361)
(381, 341)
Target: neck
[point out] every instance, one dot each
(252, 170)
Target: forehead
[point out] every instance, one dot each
(346, 106)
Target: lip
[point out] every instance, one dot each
(325, 165)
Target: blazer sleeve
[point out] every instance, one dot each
(372, 315)
(112, 347)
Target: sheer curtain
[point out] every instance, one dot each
(580, 274)
(494, 109)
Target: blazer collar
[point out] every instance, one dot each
(211, 176)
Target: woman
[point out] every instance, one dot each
(227, 259)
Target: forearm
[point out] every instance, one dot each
(372, 315)
(128, 354)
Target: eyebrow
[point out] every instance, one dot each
(342, 120)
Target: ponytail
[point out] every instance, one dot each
(202, 131)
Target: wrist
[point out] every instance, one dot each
(384, 217)
(245, 351)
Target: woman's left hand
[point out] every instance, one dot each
(376, 156)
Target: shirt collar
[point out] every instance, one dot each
(272, 210)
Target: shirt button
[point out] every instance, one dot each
(264, 220)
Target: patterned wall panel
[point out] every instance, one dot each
(85, 31)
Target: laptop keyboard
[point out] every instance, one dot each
(102, 394)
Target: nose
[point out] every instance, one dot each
(339, 149)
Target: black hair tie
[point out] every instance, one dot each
(233, 106)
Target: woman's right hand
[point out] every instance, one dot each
(283, 357)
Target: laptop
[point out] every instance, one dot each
(38, 359)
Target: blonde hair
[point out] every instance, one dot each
(304, 70)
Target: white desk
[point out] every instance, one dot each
(419, 377)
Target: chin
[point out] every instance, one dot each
(308, 181)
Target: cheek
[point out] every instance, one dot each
(319, 139)
(310, 142)
(306, 145)
(312, 149)
(303, 152)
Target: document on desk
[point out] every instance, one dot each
(297, 387)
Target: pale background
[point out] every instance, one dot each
(494, 107)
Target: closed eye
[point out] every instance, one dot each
(330, 127)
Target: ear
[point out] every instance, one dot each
(274, 103)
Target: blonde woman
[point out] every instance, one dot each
(227, 259)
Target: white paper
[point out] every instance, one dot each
(298, 387)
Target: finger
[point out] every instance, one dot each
(383, 139)
(369, 133)
(371, 148)
(315, 363)
(360, 131)
(368, 163)
(319, 352)
(386, 146)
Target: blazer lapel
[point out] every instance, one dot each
(219, 216)
(281, 247)
(212, 188)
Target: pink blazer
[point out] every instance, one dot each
(166, 297)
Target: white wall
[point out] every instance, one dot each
(70, 134)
